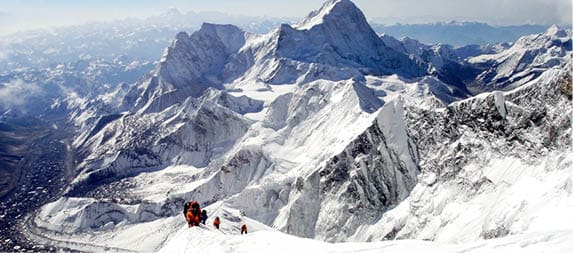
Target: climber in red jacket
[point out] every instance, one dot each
(217, 222)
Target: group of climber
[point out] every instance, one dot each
(194, 215)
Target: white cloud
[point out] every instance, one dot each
(17, 92)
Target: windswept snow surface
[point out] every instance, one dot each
(173, 235)
(209, 240)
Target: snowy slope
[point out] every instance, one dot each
(195, 132)
(191, 240)
(301, 131)
(172, 235)
(503, 166)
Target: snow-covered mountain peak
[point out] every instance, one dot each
(554, 36)
(338, 35)
(342, 16)
(332, 10)
(556, 31)
(172, 12)
(231, 36)
(338, 40)
(552, 33)
(192, 64)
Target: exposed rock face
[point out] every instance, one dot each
(463, 151)
(374, 173)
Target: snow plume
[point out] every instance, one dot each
(17, 92)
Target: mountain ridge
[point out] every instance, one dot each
(301, 131)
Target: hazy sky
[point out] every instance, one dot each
(24, 14)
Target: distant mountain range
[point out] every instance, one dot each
(144, 39)
(459, 33)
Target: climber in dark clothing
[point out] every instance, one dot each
(244, 229)
(185, 208)
(203, 216)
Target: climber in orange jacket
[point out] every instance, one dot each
(193, 214)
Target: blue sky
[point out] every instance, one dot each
(24, 14)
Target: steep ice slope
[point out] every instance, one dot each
(525, 60)
(494, 165)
